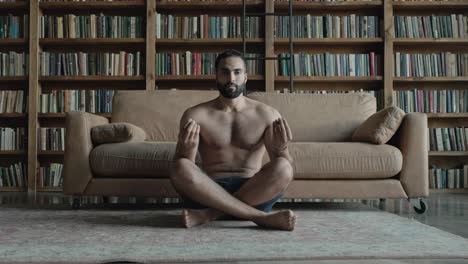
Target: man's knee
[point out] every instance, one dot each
(283, 170)
(182, 171)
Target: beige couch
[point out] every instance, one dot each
(326, 163)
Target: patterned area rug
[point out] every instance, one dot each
(352, 231)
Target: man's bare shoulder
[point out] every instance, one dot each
(265, 111)
(200, 110)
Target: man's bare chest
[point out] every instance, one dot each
(240, 131)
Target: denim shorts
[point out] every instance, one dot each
(231, 185)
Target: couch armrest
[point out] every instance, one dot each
(412, 140)
(78, 145)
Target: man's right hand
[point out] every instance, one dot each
(189, 137)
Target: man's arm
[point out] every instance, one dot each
(277, 138)
(187, 143)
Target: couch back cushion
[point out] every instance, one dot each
(157, 112)
(321, 117)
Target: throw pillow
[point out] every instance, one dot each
(117, 132)
(379, 127)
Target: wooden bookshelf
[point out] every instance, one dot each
(12, 189)
(62, 115)
(330, 6)
(198, 77)
(437, 191)
(92, 6)
(49, 189)
(106, 42)
(93, 78)
(267, 45)
(11, 43)
(12, 152)
(207, 5)
(13, 79)
(431, 6)
(12, 115)
(344, 79)
(430, 79)
(18, 6)
(11, 119)
(447, 115)
(51, 153)
(448, 153)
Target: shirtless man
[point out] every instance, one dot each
(231, 133)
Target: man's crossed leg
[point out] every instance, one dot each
(264, 186)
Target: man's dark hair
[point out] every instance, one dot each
(227, 54)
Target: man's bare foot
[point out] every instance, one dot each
(283, 220)
(192, 217)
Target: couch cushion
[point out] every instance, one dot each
(321, 117)
(379, 127)
(116, 132)
(345, 160)
(133, 159)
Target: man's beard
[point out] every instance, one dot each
(226, 92)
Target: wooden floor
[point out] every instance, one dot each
(446, 211)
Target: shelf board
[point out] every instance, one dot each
(465, 190)
(12, 152)
(60, 42)
(63, 115)
(199, 77)
(207, 5)
(224, 41)
(427, 5)
(330, 79)
(330, 41)
(9, 6)
(430, 41)
(9, 79)
(12, 189)
(430, 79)
(90, 5)
(49, 189)
(448, 153)
(93, 78)
(447, 115)
(9, 42)
(50, 153)
(329, 6)
(13, 115)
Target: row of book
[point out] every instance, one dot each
(12, 138)
(431, 65)
(51, 138)
(328, 64)
(50, 176)
(14, 26)
(104, 64)
(351, 26)
(448, 139)
(13, 175)
(92, 101)
(452, 26)
(432, 101)
(189, 63)
(13, 101)
(13, 63)
(448, 178)
(205, 26)
(91, 26)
